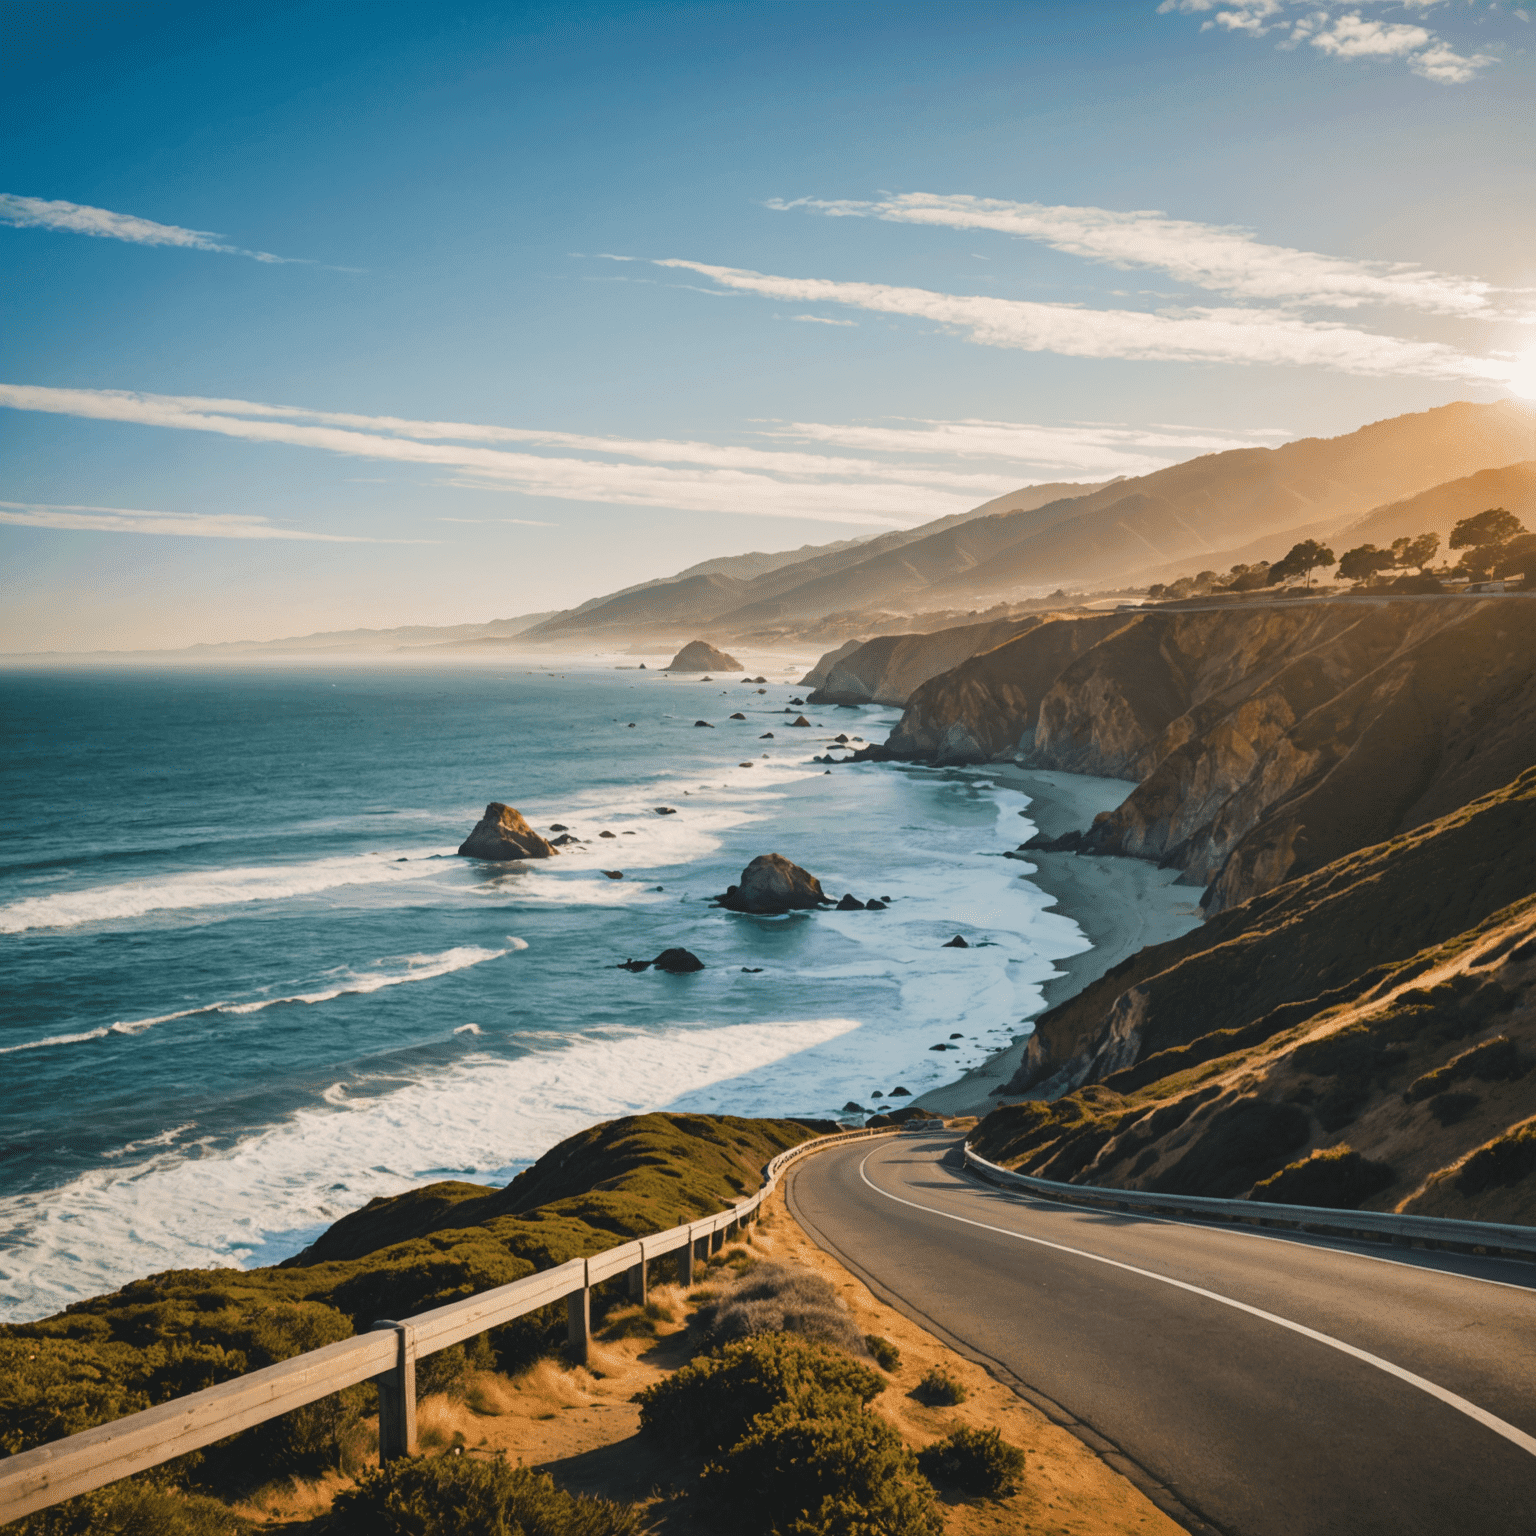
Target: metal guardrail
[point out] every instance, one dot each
(1381, 1226)
(387, 1355)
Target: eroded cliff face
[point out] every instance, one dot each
(1267, 740)
(889, 668)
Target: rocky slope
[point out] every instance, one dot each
(1266, 739)
(890, 668)
(1365, 1035)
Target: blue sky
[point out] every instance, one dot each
(569, 296)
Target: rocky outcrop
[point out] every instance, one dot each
(676, 962)
(1267, 739)
(701, 656)
(890, 668)
(771, 884)
(503, 834)
(818, 674)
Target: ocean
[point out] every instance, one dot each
(250, 986)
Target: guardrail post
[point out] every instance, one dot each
(717, 1240)
(397, 1396)
(637, 1280)
(578, 1319)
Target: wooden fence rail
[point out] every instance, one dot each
(386, 1355)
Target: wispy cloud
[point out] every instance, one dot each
(1201, 335)
(1072, 449)
(187, 525)
(821, 320)
(928, 468)
(1343, 32)
(103, 224)
(1223, 258)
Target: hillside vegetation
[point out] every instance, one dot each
(177, 1332)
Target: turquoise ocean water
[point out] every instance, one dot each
(249, 985)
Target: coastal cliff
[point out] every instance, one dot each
(890, 668)
(1266, 740)
(1363, 1035)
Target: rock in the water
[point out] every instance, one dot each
(799, 720)
(957, 1036)
(850, 903)
(757, 679)
(607, 834)
(771, 883)
(634, 965)
(556, 826)
(766, 736)
(751, 970)
(874, 904)
(614, 874)
(938, 1047)
(701, 656)
(642, 666)
(564, 840)
(738, 717)
(746, 765)
(797, 701)
(666, 810)
(842, 739)
(503, 834)
(901, 1093)
(705, 723)
(957, 943)
(854, 1108)
(677, 962)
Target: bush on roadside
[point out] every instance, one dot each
(465, 1496)
(134, 1509)
(825, 1468)
(886, 1354)
(772, 1298)
(975, 1461)
(1337, 1178)
(938, 1389)
(708, 1405)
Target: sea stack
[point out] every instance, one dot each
(503, 834)
(770, 884)
(701, 656)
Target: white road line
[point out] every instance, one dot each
(1527, 1443)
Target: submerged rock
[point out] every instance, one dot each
(738, 717)
(705, 723)
(564, 840)
(614, 874)
(503, 834)
(607, 834)
(766, 736)
(701, 656)
(956, 943)
(770, 883)
(666, 810)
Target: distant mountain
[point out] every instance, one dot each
(1439, 509)
(408, 636)
(1190, 515)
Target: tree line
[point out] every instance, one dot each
(1493, 544)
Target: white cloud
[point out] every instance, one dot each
(1343, 32)
(1221, 257)
(822, 320)
(1083, 450)
(192, 525)
(929, 468)
(78, 219)
(1245, 336)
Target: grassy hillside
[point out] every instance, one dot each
(182, 1330)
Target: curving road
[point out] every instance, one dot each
(1253, 1385)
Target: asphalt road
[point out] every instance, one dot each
(1380, 1391)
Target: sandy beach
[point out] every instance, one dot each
(1122, 905)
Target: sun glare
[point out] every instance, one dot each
(1522, 376)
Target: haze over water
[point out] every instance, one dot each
(251, 986)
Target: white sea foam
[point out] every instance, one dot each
(344, 982)
(469, 1029)
(196, 889)
(196, 1206)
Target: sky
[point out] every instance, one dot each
(318, 316)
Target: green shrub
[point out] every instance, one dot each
(1336, 1177)
(465, 1496)
(134, 1509)
(938, 1389)
(836, 1470)
(886, 1354)
(709, 1404)
(771, 1298)
(1505, 1160)
(975, 1461)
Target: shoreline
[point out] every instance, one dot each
(1122, 905)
